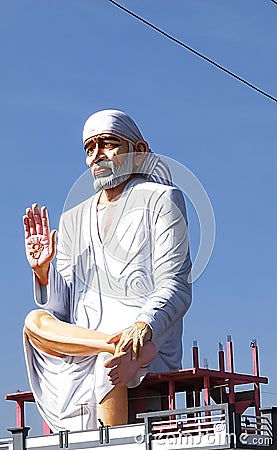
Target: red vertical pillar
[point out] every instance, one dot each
(206, 391)
(195, 355)
(255, 357)
(256, 372)
(171, 389)
(257, 399)
(19, 413)
(221, 363)
(197, 396)
(230, 368)
(195, 360)
(231, 393)
(230, 357)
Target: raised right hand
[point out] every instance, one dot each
(40, 243)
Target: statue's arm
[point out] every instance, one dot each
(172, 294)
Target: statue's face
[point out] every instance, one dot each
(109, 159)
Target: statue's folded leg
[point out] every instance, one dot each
(113, 409)
(57, 338)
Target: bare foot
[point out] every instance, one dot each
(123, 367)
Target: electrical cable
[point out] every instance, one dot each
(159, 30)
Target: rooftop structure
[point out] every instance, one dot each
(216, 415)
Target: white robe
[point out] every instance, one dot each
(138, 271)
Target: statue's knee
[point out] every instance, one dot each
(35, 317)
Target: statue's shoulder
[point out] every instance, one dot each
(79, 209)
(141, 184)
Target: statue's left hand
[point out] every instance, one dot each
(133, 337)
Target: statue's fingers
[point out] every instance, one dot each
(118, 338)
(115, 381)
(53, 243)
(111, 363)
(113, 374)
(32, 227)
(45, 222)
(126, 343)
(37, 218)
(135, 348)
(142, 339)
(26, 227)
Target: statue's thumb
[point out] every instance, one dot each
(53, 241)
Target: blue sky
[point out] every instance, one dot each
(61, 61)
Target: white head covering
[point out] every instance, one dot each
(112, 121)
(120, 124)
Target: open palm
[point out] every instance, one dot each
(40, 242)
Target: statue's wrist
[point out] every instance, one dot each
(42, 275)
(145, 327)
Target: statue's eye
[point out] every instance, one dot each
(109, 145)
(89, 151)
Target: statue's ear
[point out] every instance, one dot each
(141, 149)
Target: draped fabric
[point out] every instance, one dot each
(137, 271)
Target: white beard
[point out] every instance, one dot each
(116, 175)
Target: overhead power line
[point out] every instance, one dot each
(159, 30)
